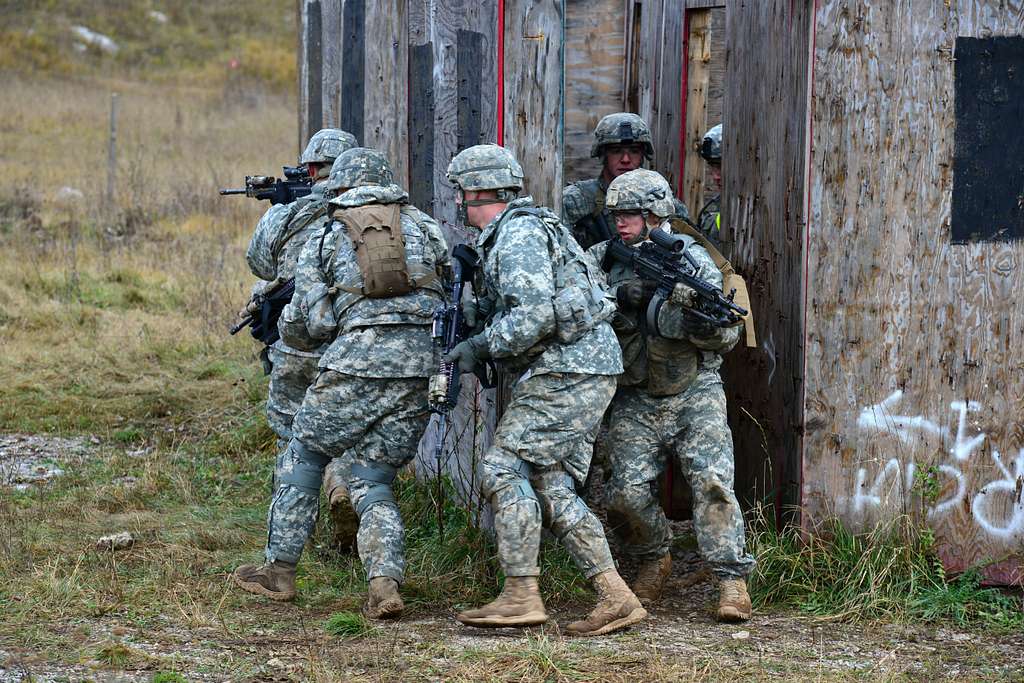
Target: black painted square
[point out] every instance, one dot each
(988, 162)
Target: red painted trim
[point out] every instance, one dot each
(501, 72)
(682, 106)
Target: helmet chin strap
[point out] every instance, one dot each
(501, 197)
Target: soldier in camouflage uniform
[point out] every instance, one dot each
(710, 218)
(544, 306)
(670, 403)
(622, 142)
(272, 254)
(370, 397)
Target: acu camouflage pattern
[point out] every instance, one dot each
(377, 420)
(621, 127)
(584, 200)
(644, 431)
(550, 423)
(357, 167)
(711, 144)
(326, 145)
(670, 403)
(485, 167)
(273, 253)
(517, 283)
(382, 338)
(710, 218)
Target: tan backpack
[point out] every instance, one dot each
(376, 233)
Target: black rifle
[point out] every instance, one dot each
(296, 183)
(665, 261)
(449, 330)
(263, 310)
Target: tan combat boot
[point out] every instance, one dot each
(616, 609)
(382, 599)
(275, 580)
(518, 605)
(733, 600)
(344, 520)
(650, 581)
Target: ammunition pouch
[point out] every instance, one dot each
(376, 233)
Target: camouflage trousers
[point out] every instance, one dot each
(692, 427)
(380, 421)
(541, 452)
(290, 376)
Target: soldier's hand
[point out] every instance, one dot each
(467, 354)
(695, 327)
(635, 294)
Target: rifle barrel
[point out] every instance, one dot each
(234, 191)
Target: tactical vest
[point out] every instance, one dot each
(582, 299)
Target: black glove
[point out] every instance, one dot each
(467, 354)
(635, 294)
(695, 327)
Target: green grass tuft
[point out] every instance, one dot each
(347, 624)
(891, 573)
(162, 677)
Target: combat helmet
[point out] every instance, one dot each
(485, 167)
(711, 145)
(326, 145)
(641, 190)
(621, 128)
(357, 167)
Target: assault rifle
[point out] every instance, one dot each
(449, 329)
(665, 261)
(263, 310)
(296, 183)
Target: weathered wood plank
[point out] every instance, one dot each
(533, 94)
(667, 125)
(386, 75)
(594, 63)
(697, 81)
(310, 69)
(421, 126)
(763, 226)
(353, 69)
(330, 12)
(913, 359)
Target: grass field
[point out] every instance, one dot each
(113, 319)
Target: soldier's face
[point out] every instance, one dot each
(629, 225)
(479, 215)
(716, 175)
(623, 158)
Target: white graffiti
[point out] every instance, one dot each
(911, 429)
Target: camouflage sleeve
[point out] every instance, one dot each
(435, 237)
(262, 250)
(574, 205)
(671, 314)
(292, 323)
(597, 252)
(526, 285)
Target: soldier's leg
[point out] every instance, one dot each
(636, 458)
(290, 376)
(571, 521)
(390, 444)
(706, 455)
(704, 447)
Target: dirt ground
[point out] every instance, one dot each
(263, 641)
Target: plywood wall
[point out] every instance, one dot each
(763, 224)
(914, 372)
(595, 54)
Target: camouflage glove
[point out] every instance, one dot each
(468, 353)
(635, 294)
(694, 327)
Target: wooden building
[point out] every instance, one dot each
(874, 199)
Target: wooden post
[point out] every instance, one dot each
(112, 153)
(698, 48)
(533, 94)
(330, 89)
(310, 70)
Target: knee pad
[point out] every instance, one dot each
(378, 477)
(564, 509)
(506, 486)
(307, 471)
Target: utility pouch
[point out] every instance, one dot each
(376, 233)
(669, 372)
(318, 306)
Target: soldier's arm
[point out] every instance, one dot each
(526, 285)
(308, 278)
(261, 253)
(670, 317)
